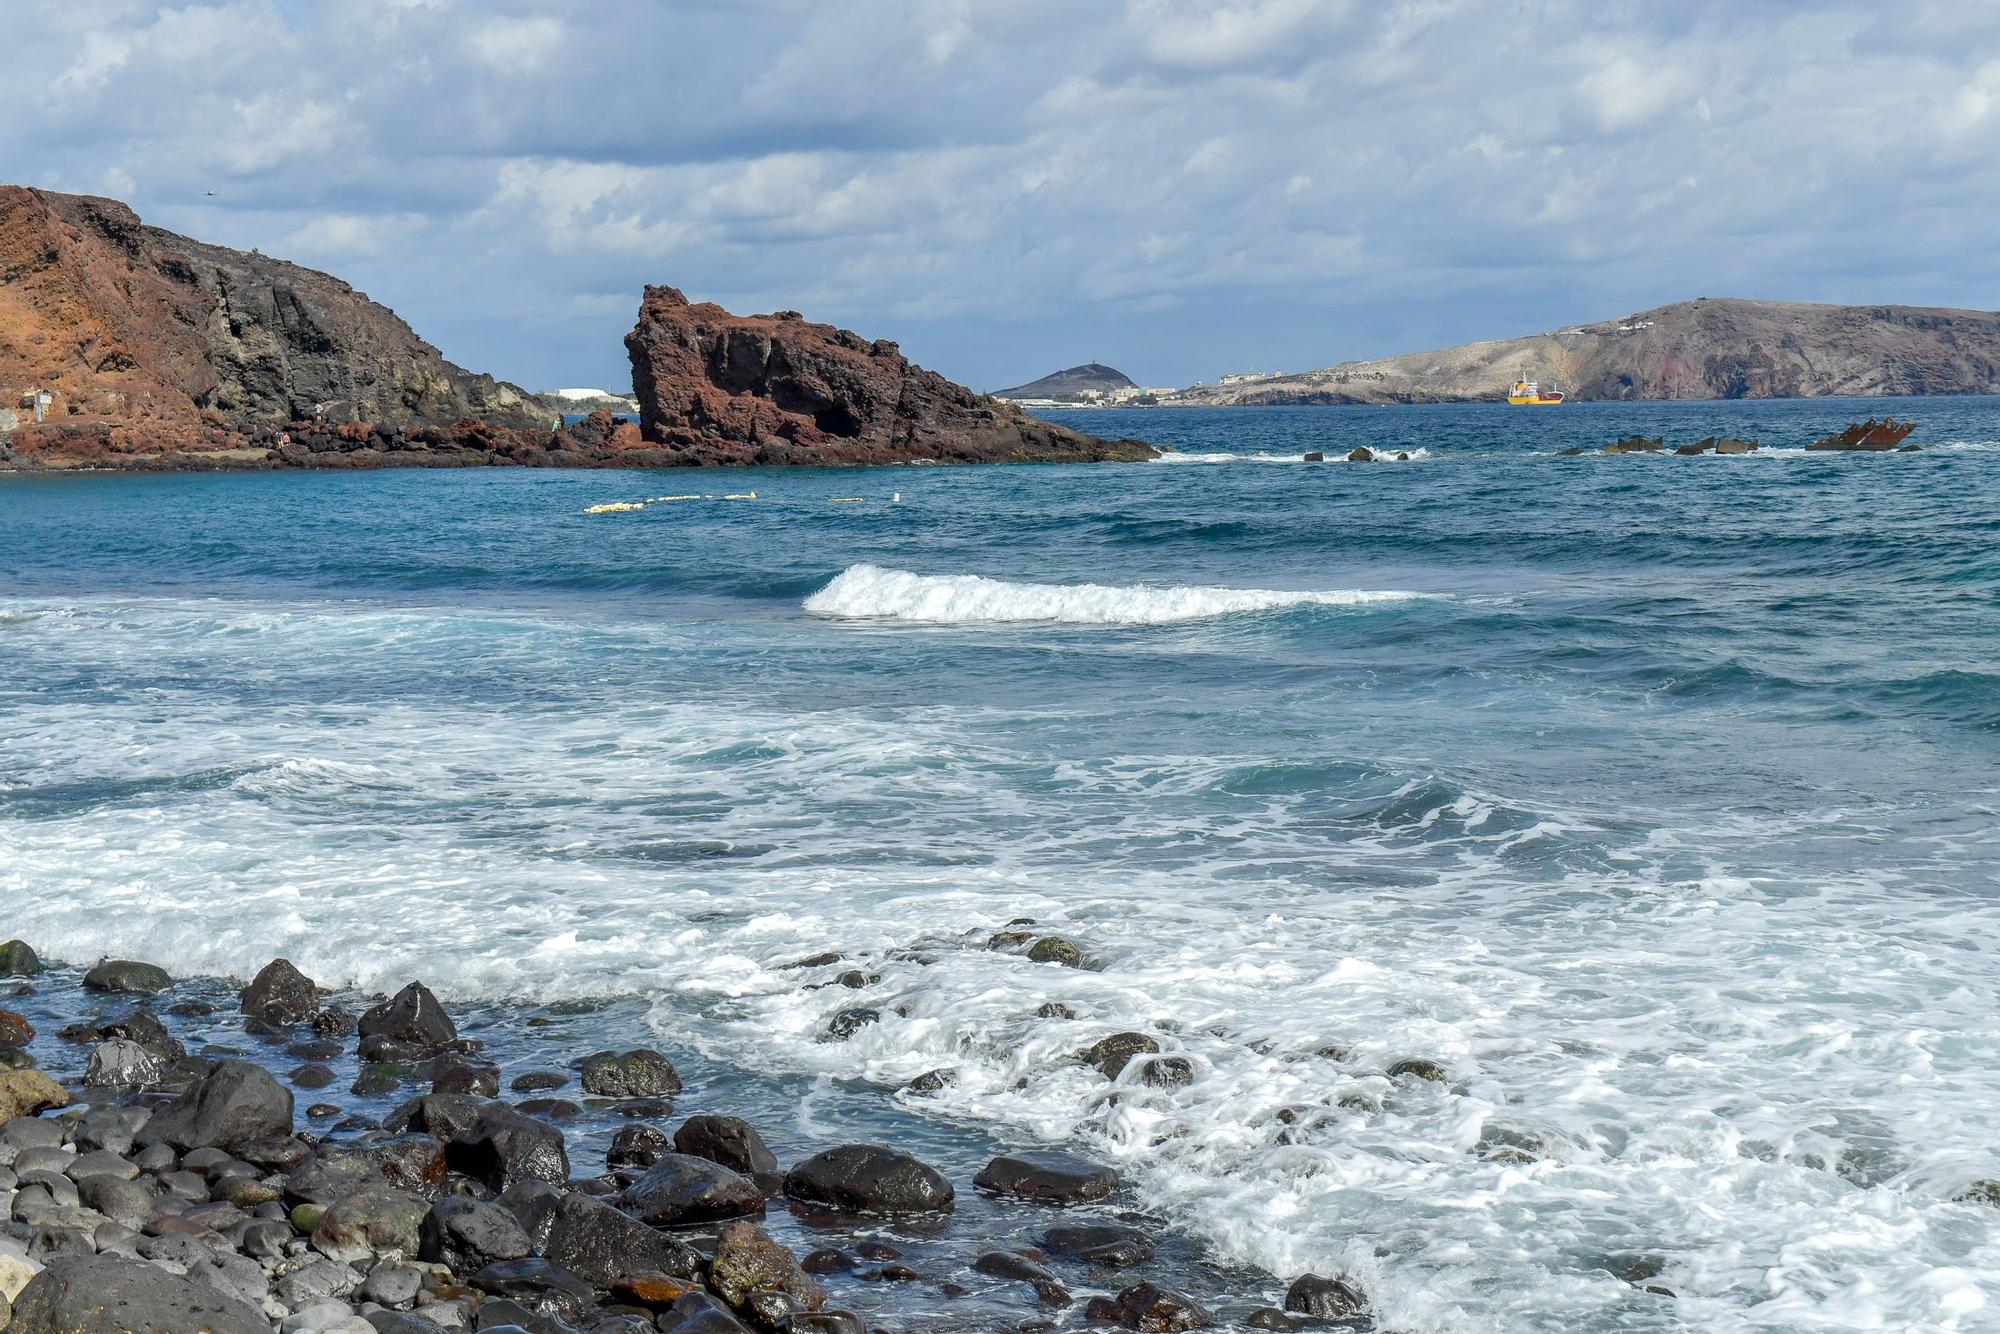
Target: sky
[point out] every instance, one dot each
(1008, 187)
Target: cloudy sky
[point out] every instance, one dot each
(1176, 187)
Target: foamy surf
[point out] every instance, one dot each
(870, 592)
(1332, 456)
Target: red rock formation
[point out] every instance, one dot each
(1870, 436)
(720, 388)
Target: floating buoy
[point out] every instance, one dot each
(895, 497)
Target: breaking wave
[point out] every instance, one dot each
(869, 591)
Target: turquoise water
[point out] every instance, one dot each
(1657, 799)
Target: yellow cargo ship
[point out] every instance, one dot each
(1527, 391)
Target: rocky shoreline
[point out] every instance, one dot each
(179, 1155)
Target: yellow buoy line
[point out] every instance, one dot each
(624, 506)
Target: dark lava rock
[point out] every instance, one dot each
(1323, 1298)
(1167, 1072)
(849, 1022)
(813, 961)
(1006, 1264)
(1315, 456)
(441, 1115)
(638, 1146)
(550, 1109)
(503, 1146)
(1360, 454)
(233, 1104)
(728, 1140)
(1112, 1054)
(1051, 1176)
(18, 960)
(104, 1294)
(1054, 1010)
(412, 1163)
(640, 1073)
(453, 1073)
(1147, 1307)
(538, 1081)
(373, 1222)
(148, 1032)
(333, 1023)
(533, 1204)
(597, 1243)
(827, 1260)
(469, 1235)
(680, 1189)
(747, 1262)
(1107, 1244)
(699, 1313)
(1422, 1069)
(281, 993)
(412, 1016)
(933, 1081)
(867, 1178)
(825, 1322)
(544, 1288)
(311, 1077)
(125, 975)
(15, 1030)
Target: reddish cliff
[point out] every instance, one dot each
(720, 388)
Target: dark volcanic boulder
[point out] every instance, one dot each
(125, 975)
(638, 1146)
(1055, 1177)
(18, 960)
(722, 388)
(699, 1313)
(866, 1178)
(1146, 1307)
(680, 1189)
(465, 1235)
(1323, 1298)
(281, 994)
(411, 1163)
(15, 1030)
(1112, 1054)
(541, 1287)
(597, 1243)
(633, 1074)
(727, 1140)
(411, 1016)
(502, 1147)
(1109, 1244)
(234, 1104)
(369, 1224)
(107, 1294)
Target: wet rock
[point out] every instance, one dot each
(1054, 949)
(1735, 446)
(334, 1023)
(1569, 453)
(18, 960)
(1361, 455)
(1109, 1244)
(27, 1092)
(1111, 1055)
(538, 1081)
(234, 1103)
(728, 1140)
(412, 1164)
(557, 1109)
(825, 1322)
(541, 1287)
(374, 1222)
(411, 1016)
(598, 1243)
(813, 961)
(1054, 1010)
(681, 1189)
(1167, 1072)
(280, 993)
(100, 1294)
(1315, 456)
(1870, 436)
(454, 1074)
(655, 1292)
(311, 1077)
(747, 1262)
(638, 1146)
(1008, 940)
(502, 1147)
(149, 1033)
(1050, 1176)
(849, 1022)
(867, 1178)
(1006, 1264)
(1420, 1069)
(466, 1234)
(640, 1073)
(1323, 1298)
(1635, 444)
(126, 975)
(699, 1313)
(15, 1030)
(1148, 1307)
(1270, 1317)
(440, 1115)
(120, 1063)
(933, 1081)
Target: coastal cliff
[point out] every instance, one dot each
(1706, 349)
(140, 349)
(723, 388)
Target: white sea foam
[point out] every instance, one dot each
(1332, 456)
(871, 592)
(1774, 1086)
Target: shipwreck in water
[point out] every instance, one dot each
(1871, 435)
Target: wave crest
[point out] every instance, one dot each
(872, 592)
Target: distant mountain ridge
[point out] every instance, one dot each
(1711, 348)
(1090, 377)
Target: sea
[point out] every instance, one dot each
(1651, 802)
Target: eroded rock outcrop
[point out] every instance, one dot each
(721, 388)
